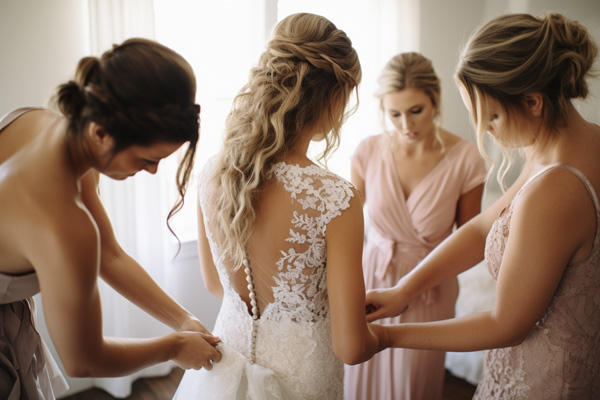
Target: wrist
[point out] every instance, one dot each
(402, 293)
(387, 338)
(191, 324)
(173, 341)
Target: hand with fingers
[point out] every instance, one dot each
(197, 350)
(383, 303)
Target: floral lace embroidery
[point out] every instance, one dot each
(323, 196)
(294, 331)
(560, 359)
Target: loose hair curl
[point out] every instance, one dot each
(303, 81)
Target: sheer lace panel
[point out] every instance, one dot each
(287, 252)
(287, 264)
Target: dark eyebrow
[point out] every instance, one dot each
(410, 108)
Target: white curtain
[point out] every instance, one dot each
(137, 206)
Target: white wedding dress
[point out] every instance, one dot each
(283, 348)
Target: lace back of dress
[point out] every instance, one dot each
(254, 306)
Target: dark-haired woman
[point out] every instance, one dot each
(122, 113)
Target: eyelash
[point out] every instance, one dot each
(417, 111)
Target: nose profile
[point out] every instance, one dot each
(405, 121)
(151, 168)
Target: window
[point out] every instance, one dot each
(223, 39)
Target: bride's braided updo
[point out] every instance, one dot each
(303, 81)
(140, 93)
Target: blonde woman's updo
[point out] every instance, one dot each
(411, 70)
(302, 83)
(516, 54)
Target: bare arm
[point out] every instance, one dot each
(212, 283)
(460, 251)
(359, 182)
(469, 205)
(126, 275)
(552, 225)
(66, 259)
(353, 340)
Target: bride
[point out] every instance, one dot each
(280, 237)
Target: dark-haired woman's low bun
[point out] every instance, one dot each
(70, 100)
(70, 97)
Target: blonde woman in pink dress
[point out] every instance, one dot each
(541, 239)
(419, 181)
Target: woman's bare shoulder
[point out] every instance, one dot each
(45, 228)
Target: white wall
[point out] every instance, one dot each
(445, 26)
(41, 42)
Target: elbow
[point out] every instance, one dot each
(351, 354)
(76, 369)
(79, 373)
(215, 289)
(86, 364)
(516, 338)
(512, 332)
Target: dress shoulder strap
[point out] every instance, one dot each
(9, 117)
(592, 192)
(584, 180)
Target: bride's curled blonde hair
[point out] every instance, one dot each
(303, 81)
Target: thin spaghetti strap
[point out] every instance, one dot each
(10, 116)
(592, 192)
(540, 172)
(586, 182)
(254, 306)
(576, 172)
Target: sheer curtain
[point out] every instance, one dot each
(137, 206)
(223, 40)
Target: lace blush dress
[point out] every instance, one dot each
(560, 359)
(279, 346)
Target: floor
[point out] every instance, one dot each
(163, 388)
